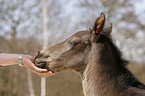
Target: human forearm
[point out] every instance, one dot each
(27, 61)
(8, 59)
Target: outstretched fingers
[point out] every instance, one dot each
(41, 72)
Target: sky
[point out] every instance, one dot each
(140, 6)
(140, 9)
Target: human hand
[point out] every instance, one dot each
(28, 62)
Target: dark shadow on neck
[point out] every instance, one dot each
(110, 53)
(111, 60)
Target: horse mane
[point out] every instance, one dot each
(106, 38)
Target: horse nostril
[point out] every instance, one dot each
(38, 55)
(46, 56)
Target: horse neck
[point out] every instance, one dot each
(97, 77)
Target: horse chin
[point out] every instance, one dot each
(48, 64)
(56, 69)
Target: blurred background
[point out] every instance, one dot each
(21, 31)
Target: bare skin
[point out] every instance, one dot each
(12, 59)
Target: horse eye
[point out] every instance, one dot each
(46, 56)
(87, 42)
(71, 43)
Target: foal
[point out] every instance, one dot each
(93, 54)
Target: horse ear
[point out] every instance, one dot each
(108, 29)
(99, 23)
(98, 27)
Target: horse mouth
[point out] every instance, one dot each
(42, 63)
(46, 63)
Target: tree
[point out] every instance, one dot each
(45, 43)
(15, 19)
(30, 83)
(126, 24)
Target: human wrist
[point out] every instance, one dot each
(20, 59)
